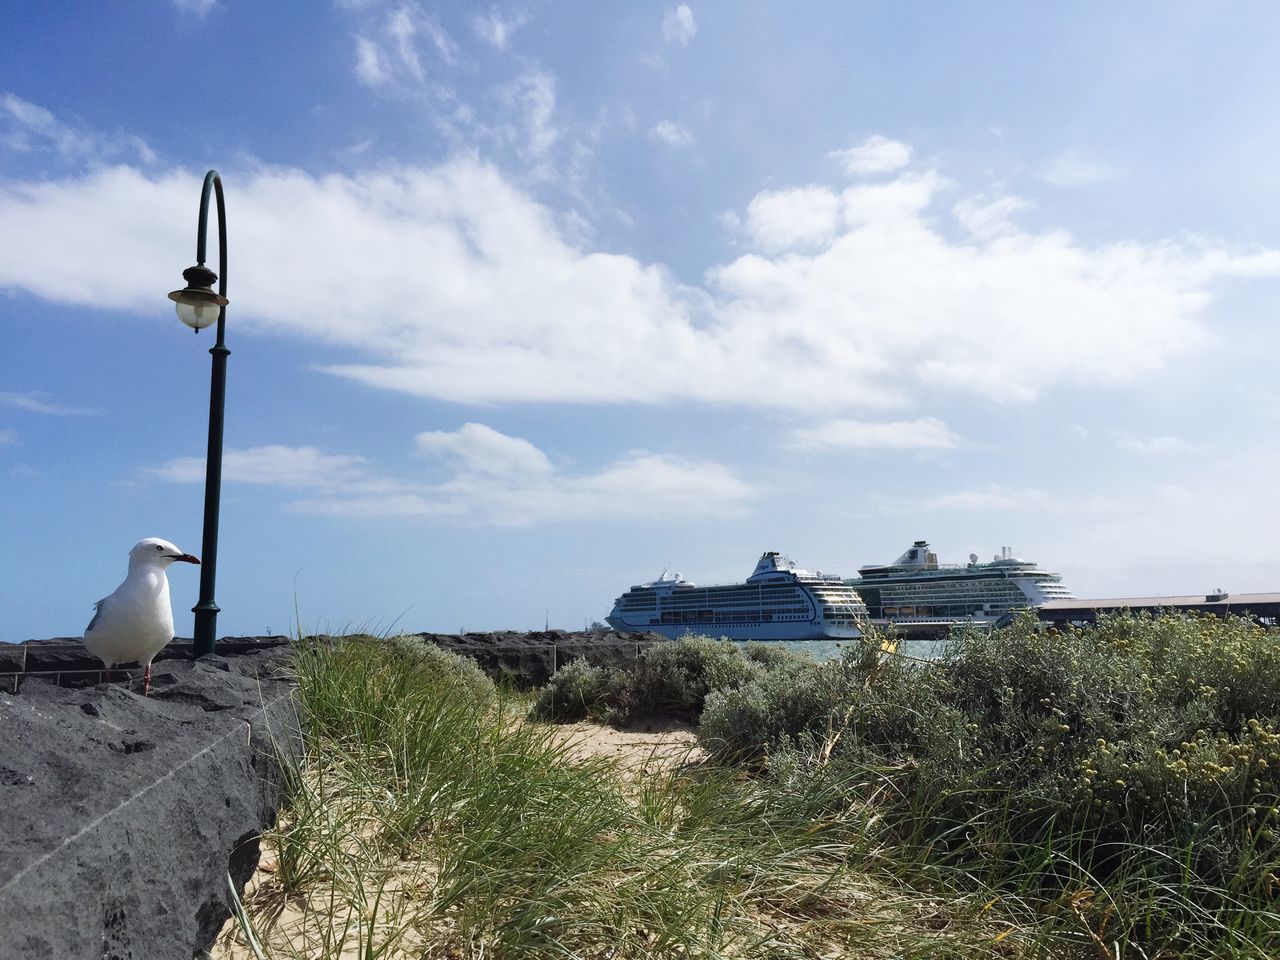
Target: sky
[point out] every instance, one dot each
(530, 302)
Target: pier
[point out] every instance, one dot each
(1263, 607)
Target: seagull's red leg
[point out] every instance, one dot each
(146, 681)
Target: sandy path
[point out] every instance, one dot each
(663, 742)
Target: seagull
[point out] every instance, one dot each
(136, 621)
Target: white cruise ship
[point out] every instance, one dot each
(777, 602)
(919, 595)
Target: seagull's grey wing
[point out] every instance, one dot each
(97, 612)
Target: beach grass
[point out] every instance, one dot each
(862, 808)
(427, 820)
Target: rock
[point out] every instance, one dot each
(533, 657)
(124, 815)
(66, 662)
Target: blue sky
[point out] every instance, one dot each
(531, 301)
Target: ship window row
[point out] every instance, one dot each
(738, 612)
(938, 592)
(711, 616)
(680, 602)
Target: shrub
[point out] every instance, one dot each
(1143, 753)
(673, 678)
(576, 691)
(676, 677)
(775, 708)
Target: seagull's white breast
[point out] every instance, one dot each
(135, 621)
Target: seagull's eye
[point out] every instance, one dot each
(158, 547)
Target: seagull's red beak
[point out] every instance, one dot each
(187, 558)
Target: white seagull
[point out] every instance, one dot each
(136, 621)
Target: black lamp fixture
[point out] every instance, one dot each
(199, 307)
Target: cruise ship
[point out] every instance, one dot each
(921, 596)
(778, 601)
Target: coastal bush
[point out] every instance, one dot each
(1142, 754)
(775, 708)
(675, 678)
(575, 692)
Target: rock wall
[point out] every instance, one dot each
(123, 816)
(532, 658)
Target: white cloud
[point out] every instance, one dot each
(671, 133)
(876, 154)
(402, 30)
(451, 282)
(493, 479)
(370, 68)
(533, 96)
(26, 127)
(994, 498)
(390, 45)
(8, 436)
(926, 433)
(495, 30)
(198, 8)
(37, 401)
(272, 466)
(1074, 169)
(481, 449)
(1154, 445)
(802, 217)
(678, 25)
(985, 218)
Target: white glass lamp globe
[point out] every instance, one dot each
(199, 314)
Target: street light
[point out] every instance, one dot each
(198, 307)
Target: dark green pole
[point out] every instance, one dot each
(206, 610)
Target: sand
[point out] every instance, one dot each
(661, 742)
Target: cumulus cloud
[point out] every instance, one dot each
(678, 25)
(801, 217)
(876, 154)
(481, 449)
(926, 433)
(671, 134)
(491, 479)
(451, 282)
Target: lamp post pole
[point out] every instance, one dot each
(196, 306)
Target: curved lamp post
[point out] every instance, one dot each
(198, 307)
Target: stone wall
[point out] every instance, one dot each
(123, 816)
